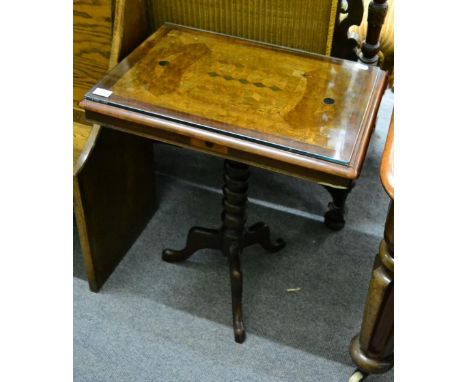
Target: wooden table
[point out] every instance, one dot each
(289, 111)
(372, 348)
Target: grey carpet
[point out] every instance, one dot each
(154, 321)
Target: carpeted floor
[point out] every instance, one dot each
(155, 321)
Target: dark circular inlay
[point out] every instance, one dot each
(328, 101)
(209, 144)
(164, 63)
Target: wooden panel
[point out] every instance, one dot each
(92, 35)
(301, 24)
(80, 136)
(130, 29)
(114, 198)
(113, 182)
(298, 102)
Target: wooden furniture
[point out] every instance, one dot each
(362, 31)
(372, 349)
(113, 191)
(306, 25)
(289, 111)
(106, 31)
(386, 39)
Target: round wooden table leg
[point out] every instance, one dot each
(234, 216)
(372, 349)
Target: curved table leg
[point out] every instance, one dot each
(197, 238)
(335, 216)
(259, 233)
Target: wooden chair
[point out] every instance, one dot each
(113, 190)
(386, 40)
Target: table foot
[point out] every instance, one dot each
(335, 216)
(197, 238)
(259, 233)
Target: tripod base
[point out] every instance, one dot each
(205, 238)
(231, 238)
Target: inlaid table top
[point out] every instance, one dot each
(245, 100)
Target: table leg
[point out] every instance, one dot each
(372, 349)
(231, 238)
(335, 216)
(234, 216)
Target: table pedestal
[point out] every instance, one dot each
(231, 238)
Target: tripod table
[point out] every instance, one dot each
(285, 110)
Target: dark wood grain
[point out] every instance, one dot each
(345, 43)
(114, 199)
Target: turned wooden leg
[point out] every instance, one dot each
(231, 238)
(375, 19)
(372, 349)
(236, 177)
(335, 216)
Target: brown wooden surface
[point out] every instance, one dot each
(386, 168)
(131, 27)
(269, 95)
(113, 183)
(114, 199)
(92, 36)
(81, 134)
